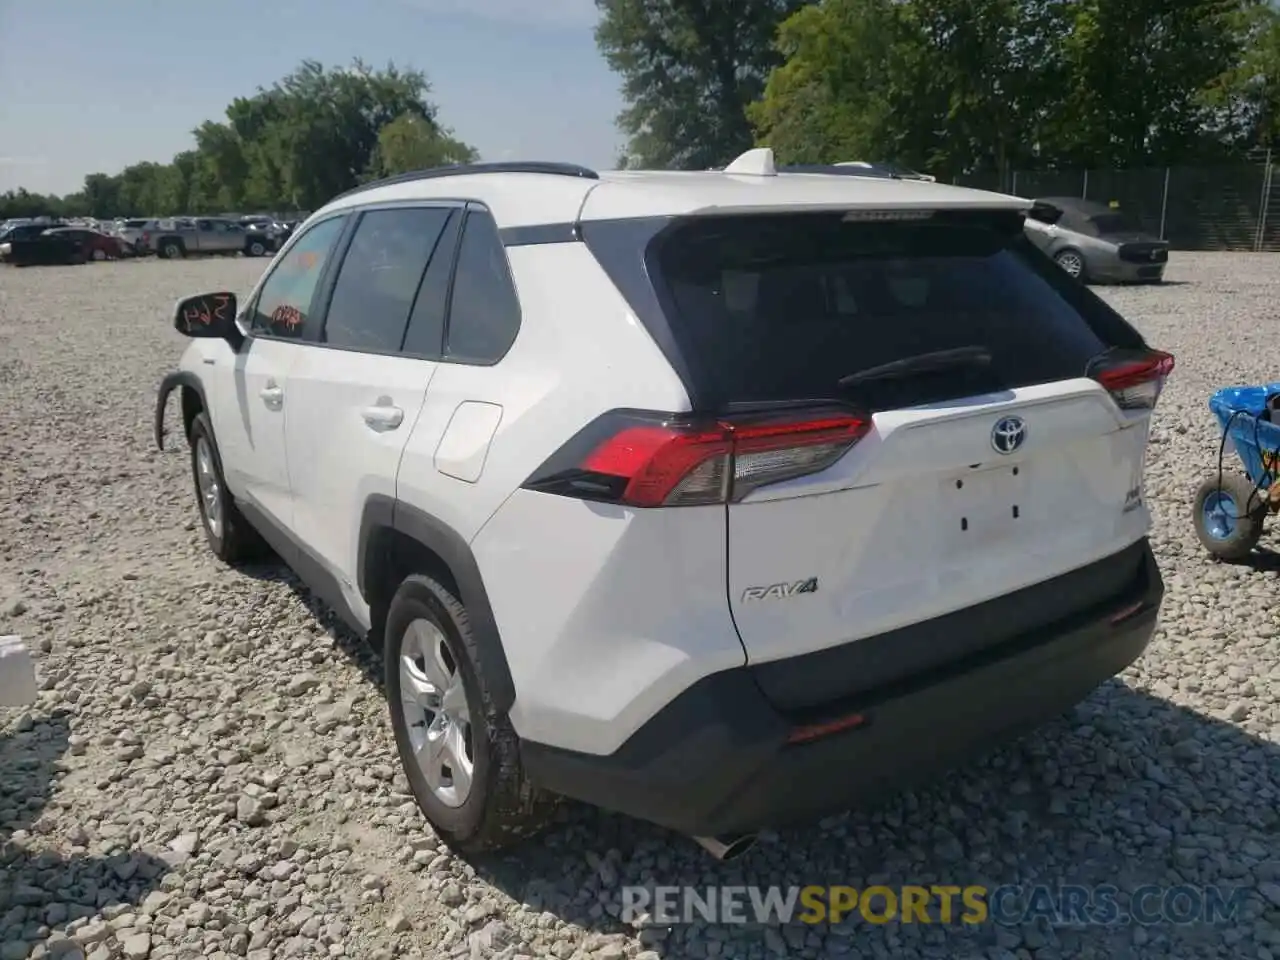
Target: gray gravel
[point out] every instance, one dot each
(209, 773)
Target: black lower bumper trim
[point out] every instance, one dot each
(716, 760)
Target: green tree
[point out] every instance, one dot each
(957, 85)
(102, 195)
(1245, 99)
(22, 203)
(689, 69)
(410, 142)
(314, 134)
(850, 67)
(1138, 72)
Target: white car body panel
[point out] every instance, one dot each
(337, 458)
(918, 519)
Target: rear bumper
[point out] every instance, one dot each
(718, 760)
(1124, 271)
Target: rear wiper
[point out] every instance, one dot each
(937, 362)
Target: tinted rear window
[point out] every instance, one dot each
(781, 307)
(1109, 223)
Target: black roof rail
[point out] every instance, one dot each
(465, 169)
(876, 173)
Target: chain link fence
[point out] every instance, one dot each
(1228, 207)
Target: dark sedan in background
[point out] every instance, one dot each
(34, 243)
(1094, 242)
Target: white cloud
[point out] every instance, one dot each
(560, 13)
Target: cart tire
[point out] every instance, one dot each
(1229, 516)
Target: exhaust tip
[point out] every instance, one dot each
(727, 848)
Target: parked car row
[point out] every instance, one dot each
(45, 241)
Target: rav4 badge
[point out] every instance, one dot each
(780, 591)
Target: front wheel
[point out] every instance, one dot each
(1229, 516)
(230, 536)
(459, 752)
(256, 249)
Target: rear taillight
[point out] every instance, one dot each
(652, 460)
(1133, 378)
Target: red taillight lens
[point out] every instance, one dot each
(655, 463)
(662, 464)
(1133, 379)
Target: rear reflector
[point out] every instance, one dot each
(1134, 379)
(816, 731)
(652, 460)
(1127, 613)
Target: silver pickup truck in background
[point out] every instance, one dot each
(206, 236)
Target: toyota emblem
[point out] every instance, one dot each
(1008, 434)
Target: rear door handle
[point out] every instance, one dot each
(383, 416)
(272, 395)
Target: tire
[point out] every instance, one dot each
(499, 807)
(1072, 261)
(99, 253)
(171, 250)
(256, 249)
(1229, 519)
(230, 536)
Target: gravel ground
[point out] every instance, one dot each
(209, 771)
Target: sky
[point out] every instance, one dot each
(95, 85)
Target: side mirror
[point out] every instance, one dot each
(208, 315)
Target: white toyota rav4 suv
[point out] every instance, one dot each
(719, 499)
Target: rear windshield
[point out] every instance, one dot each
(767, 308)
(1110, 223)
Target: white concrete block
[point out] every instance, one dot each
(17, 673)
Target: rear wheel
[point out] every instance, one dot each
(1229, 516)
(171, 250)
(99, 253)
(256, 248)
(459, 752)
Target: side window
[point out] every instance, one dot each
(380, 276)
(425, 336)
(484, 312)
(285, 299)
(204, 224)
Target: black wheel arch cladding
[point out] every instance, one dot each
(383, 514)
(179, 378)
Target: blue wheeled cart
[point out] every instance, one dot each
(1230, 507)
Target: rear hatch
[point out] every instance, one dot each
(906, 416)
